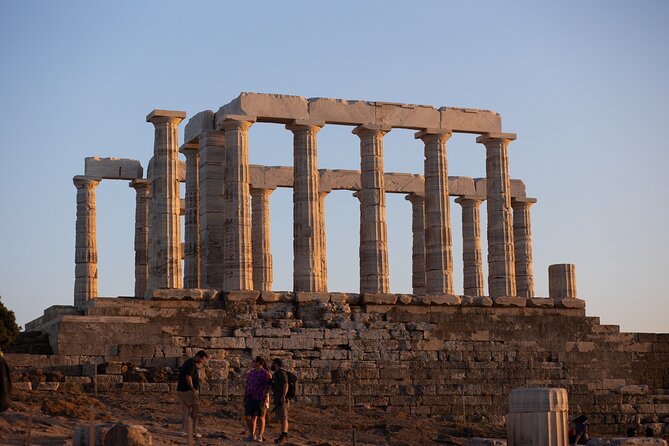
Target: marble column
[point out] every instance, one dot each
(562, 280)
(307, 274)
(260, 234)
(211, 166)
(143, 190)
(438, 242)
(522, 242)
(323, 250)
(373, 230)
(85, 248)
(192, 218)
(418, 247)
(501, 262)
(237, 262)
(472, 256)
(165, 202)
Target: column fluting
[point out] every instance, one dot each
(418, 243)
(522, 242)
(142, 193)
(260, 234)
(85, 248)
(192, 217)
(472, 253)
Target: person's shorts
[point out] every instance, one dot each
(254, 408)
(281, 410)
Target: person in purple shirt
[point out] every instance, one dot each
(257, 387)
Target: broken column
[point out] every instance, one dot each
(165, 203)
(262, 256)
(373, 231)
(501, 263)
(237, 262)
(192, 218)
(85, 247)
(418, 243)
(307, 274)
(522, 242)
(472, 257)
(212, 162)
(537, 417)
(143, 190)
(438, 245)
(562, 280)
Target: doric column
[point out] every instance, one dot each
(212, 162)
(562, 280)
(438, 245)
(85, 248)
(472, 257)
(237, 263)
(307, 274)
(373, 231)
(143, 190)
(501, 267)
(262, 256)
(522, 242)
(192, 218)
(165, 203)
(323, 250)
(418, 247)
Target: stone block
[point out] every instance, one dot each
(510, 301)
(278, 108)
(379, 299)
(341, 111)
(113, 168)
(269, 297)
(469, 120)
(571, 303)
(407, 116)
(443, 299)
(228, 343)
(201, 122)
(538, 417)
(121, 434)
(240, 296)
(181, 293)
(307, 296)
(22, 386)
(156, 387)
(81, 435)
(517, 188)
(51, 386)
(405, 299)
(536, 302)
(339, 298)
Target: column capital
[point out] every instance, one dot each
(522, 202)
(162, 116)
(414, 198)
(82, 181)
(140, 183)
(302, 125)
(469, 200)
(367, 130)
(495, 137)
(236, 122)
(258, 191)
(439, 135)
(189, 148)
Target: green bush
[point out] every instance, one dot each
(8, 328)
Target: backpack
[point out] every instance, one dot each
(5, 385)
(292, 385)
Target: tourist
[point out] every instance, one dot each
(257, 388)
(281, 401)
(5, 384)
(578, 433)
(187, 389)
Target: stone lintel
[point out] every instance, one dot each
(113, 168)
(517, 188)
(80, 180)
(156, 114)
(201, 122)
(488, 136)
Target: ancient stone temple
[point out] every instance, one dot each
(432, 352)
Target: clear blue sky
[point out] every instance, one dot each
(583, 84)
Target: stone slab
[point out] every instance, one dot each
(509, 301)
(278, 108)
(571, 303)
(379, 299)
(201, 122)
(113, 168)
(443, 299)
(517, 188)
(470, 120)
(181, 293)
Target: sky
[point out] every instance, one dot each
(583, 84)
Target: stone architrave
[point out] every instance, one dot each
(418, 245)
(374, 276)
(143, 191)
(237, 262)
(472, 256)
(260, 234)
(85, 248)
(323, 250)
(562, 281)
(438, 241)
(501, 259)
(537, 417)
(192, 218)
(307, 219)
(522, 242)
(211, 166)
(165, 202)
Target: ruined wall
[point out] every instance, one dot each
(448, 356)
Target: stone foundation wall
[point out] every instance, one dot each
(446, 356)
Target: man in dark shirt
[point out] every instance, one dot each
(281, 403)
(189, 384)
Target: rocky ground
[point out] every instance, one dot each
(55, 415)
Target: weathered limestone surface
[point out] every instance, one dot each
(562, 281)
(86, 246)
(164, 205)
(517, 188)
(198, 124)
(260, 234)
(373, 231)
(501, 263)
(192, 217)
(113, 168)
(538, 417)
(472, 255)
(522, 242)
(143, 192)
(418, 243)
